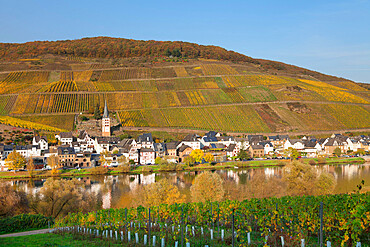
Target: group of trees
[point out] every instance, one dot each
(157, 193)
(105, 47)
(15, 161)
(56, 198)
(174, 53)
(198, 156)
(298, 179)
(303, 179)
(243, 154)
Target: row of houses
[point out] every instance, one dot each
(85, 150)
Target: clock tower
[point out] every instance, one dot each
(105, 125)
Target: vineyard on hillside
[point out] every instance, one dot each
(309, 117)
(62, 86)
(218, 69)
(6, 103)
(26, 124)
(15, 82)
(344, 220)
(351, 116)
(164, 97)
(245, 118)
(64, 122)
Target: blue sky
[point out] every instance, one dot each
(331, 37)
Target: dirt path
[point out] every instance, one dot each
(19, 234)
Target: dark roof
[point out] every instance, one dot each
(211, 134)
(338, 141)
(255, 138)
(191, 138)
(172, 145)
(146, 137)
(254, 147)
(159, 147)
(321, 140)
(125, 143)
(82, 134)
(309, 144)
(5, 148)
(217, 145)
(283, 137)
(106, 113)
(108, 140)
(66, 135)
(278, 137)
(183, 147)
(231, 147)
(264, 143)
(38, 138)
(210, 139)
(146, 150)
(241, 139)
(66, 150)
(273, 138)
(26, 147)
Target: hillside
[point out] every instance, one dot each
(247, 95)
(116, 50)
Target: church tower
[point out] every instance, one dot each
(105, 122)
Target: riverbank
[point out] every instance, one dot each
(173, 167)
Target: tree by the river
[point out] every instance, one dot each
(207, 186)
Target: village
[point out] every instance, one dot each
(85, 151)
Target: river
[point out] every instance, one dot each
(121, 190)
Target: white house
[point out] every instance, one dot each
(146, 156)
(268, 148)
(294, 143)
(312, 149)
(144, 141)
(226, 140)
(66, 138)
(134, 154)
(85, 141)
(42, 141)
(232, 150)
(354, 144)
(102, 144)
(28, 150)
(192, 141)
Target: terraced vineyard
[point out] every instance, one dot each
(64, 122)
(244, 118)
(203, 96)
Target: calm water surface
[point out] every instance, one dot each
(120, 190)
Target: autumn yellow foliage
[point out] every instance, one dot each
(25, 124)
(218, 69)
(181, 72)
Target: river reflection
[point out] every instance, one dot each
(239, 184)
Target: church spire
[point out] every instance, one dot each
(106, 114)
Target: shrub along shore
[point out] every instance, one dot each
(176, 167)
